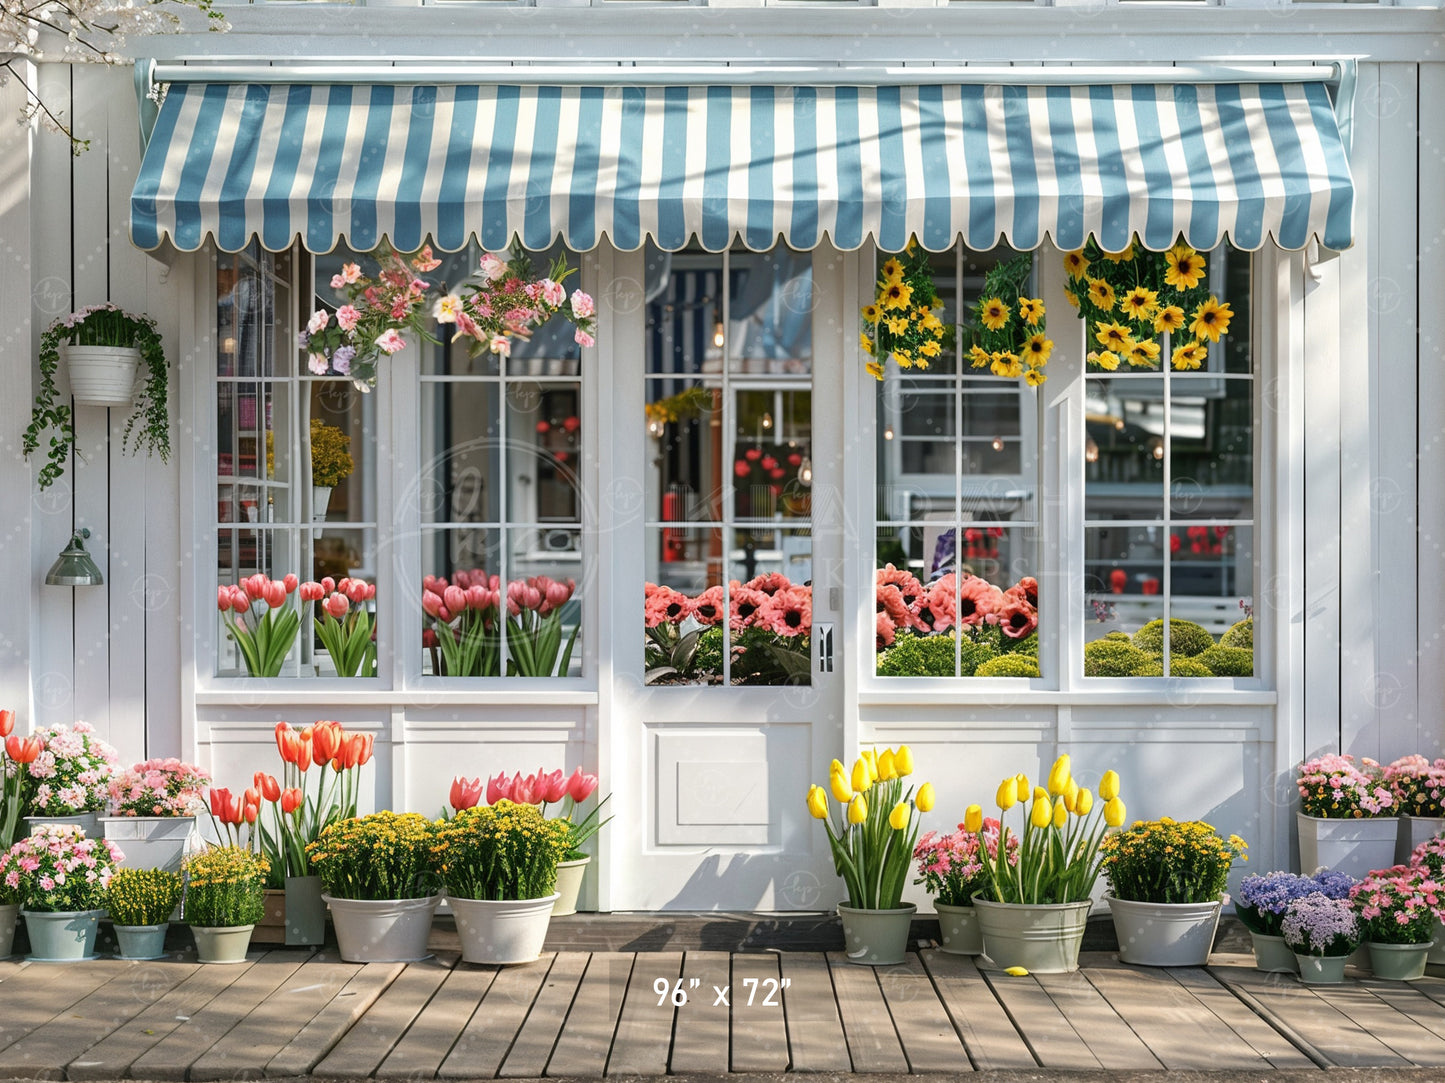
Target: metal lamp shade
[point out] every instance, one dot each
(74, 568)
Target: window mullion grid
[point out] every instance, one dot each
(504, 538)
(957, 458)
(729, 455)
(1165, 541)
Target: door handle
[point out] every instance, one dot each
(823, 637)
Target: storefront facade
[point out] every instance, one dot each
(1288, 478)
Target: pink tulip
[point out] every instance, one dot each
(336, 605)
(290, 582)
(240, 602)
(356, 591)
(444, 615)
(256, 585)
(580, 786)
(556, 596)
(522, 789)
(274, 592)
(478, 597)
(223, 599)
(370, 591)
(431, 602)
(455, 598)
(433, 583)
(553, 787)
(466, 792)
(462, 578)
(328, 584)
(498, 789)
(311, 592)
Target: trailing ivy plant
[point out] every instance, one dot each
(149, 422)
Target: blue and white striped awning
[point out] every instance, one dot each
(363, 164)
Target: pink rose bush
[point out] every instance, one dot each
(1418, 785)
(72, 773)
(1337, 788)
(57, 869)
(766, 623)
(163, 787)
(463, 619)
(991, 620)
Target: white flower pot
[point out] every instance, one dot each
(1041, 939)
(150, 842)
(1350, 846)
(502, 931)
(222, 943)
(958, 929)
(101, 375)
(320, 501)
(142, 941)
(382, 931)
(1321, 969)
(569, 885)
(1164, 934)
(89, 822)
(1437, 953)
(1413, 831)
(876, 937)
(62, 936)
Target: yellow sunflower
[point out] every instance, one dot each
(1144, 354)
(930, 349)
(904, 359)
(1170, 318)
(1076, 264)
(1107, 360)
(1072, 298)
(1006, 364)
(897, 324)
(1101, 294)
(1112, 336)
(1211, 319)
(865, 342)
(1031, 309)
(1140, 303)
(897, 295)
(870, 313)
(893, 271)
(1186, 267)
(1034, 377)
(978, 356)
(1190, 356)
(874, 369)
(994, 314)
(1037, 348)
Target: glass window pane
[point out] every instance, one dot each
(544, 451)
(1212, 447)
(461, 593)
(772, 468)
(685, 330)
(461, 441)
(684, 428)
(770, 312)
(684, 606)
(1124, 448)
(340, 439)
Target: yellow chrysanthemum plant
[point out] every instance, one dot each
(1059, 853)
(902, 321)
(1007, 333)
(874, 828)
(1131, 299)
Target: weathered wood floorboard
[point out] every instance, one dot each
(586, 1037)
(988, 1033)
(924, 1028)
(872, 1039)
(369, 1041)
(700, 1036)
(816, 1042)
(759, 1028)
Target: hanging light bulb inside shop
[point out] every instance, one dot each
(998, 443)
(1091, 450)
(1156, 447)
(805, 471)
(888, 433)
(767, 421)
(717, 334)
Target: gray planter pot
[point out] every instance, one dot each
(569, 886)
(150, 842)
(1273, 955)
(1041, 939)
(305, 911)
(1398, 962)
(63, 936)
(958, 929)
(9, 914)
(502, 931)
(142, 941)
(382, 931)
(222, 944)
(89, 822)
(1164, 934)
(1321, 969)
(876, 937)
(1414, 830)
(1353, 846)
(1437, 953)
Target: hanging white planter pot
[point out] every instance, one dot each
(320, 502)
(101, 375)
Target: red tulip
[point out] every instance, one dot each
(22, 750)
(522, 789)
(240, 602)
(455, 599)
(250, 813)
(552, 787)
(466, 792)
(291, 800)
(220, 801)
(7, 722)
(325, 740)
(356, 590)
(355, 749)
(336, 606)
(498, 789)
(303, 758)
(431, 603)
(255, 585)
(290, 582)
(288, 742)
(311, 592)
(433, 584)
(223, 599)
(269, 787)
(368, 742)
(327, 584)
(274, 594)
(252, 795)
(580, 786)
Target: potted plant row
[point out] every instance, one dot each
(1357, 816)
(1265, 899)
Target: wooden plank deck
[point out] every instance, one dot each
(597, 1014)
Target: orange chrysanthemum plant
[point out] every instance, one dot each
(903, 319)
(1008, 325)
(1132, 299)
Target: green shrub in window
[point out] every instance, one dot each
(1186, 638)
(1120, 637)
(1188, 667)
(1240, 635)
(1109, 657)
(1028, 645)
(709, 655)
(1009, 665)
(914, 655)
(1154, 667)
(1227, 661)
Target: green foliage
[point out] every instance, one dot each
(1154, 667)
(1028, 645)
(1164, 861)
(708, 656)
(1227, 661)
(225, 887)
(1185, 638)
(501, 851)
(387, 855)
(1009, 665)
(914, 655)
(1110, 657)
(1188, 667)
(330, 454)
(1240, 635)
(1120, 637)
(143, 896)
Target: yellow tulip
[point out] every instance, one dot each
(1042, 813)
(1071, 796)
(1061, 812)
(837, 767)
(841, 790)
(870, 757)
(1059, 776)
(898, 818)
(818, 802)
(973, 819)
(1085, 802)
(887, 769)
(857, 810)
(861, 778)
(1109, 785)
(1008, 794)
(1041, 794)
(924, 798)
(1023, 781)
(1114, 812)
(903, 761)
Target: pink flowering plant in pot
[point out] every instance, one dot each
(955, 866)
(1399, 905)
(346, 626)
(464, 625)
(1418, 785)
(56, 869)
(917, 625)
(264, 624)
(1336, 787)
(71, 773)
(160, 787)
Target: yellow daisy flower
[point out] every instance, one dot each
(1072, 298)
(994, 313)
(897, 295)
(1034, 377)
(1101, 294)
(1107, 360)
(978, 356)
(1144, 354)
(893, 270)
(1170, 318)
(1113, 336)
(1076, 264)
(874, 369)
(1186, 267)
(1037, 348)
(1140, 303)
(1211, 319)
(1190, 356)
(904, 359)
(1032, 310)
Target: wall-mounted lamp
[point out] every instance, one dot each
(74, 568)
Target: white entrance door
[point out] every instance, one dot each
(723, 678)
